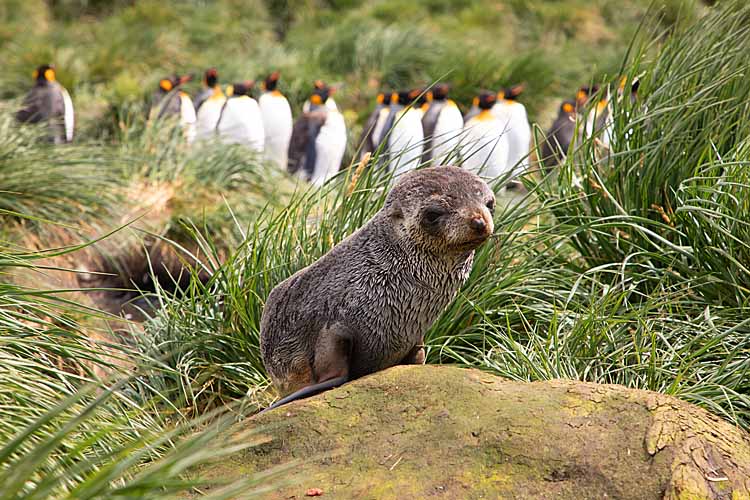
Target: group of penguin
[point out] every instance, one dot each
(312, 147)
(232, 116)
(418, 126)
(407, 128)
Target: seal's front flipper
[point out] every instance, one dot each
(308, 391)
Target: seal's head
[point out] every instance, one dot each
(442, 210)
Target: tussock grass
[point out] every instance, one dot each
(75, 424)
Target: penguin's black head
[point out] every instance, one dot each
(584, 94)
(406, 97)
(242, 88)
(271, 81)
(511, 93)
(634, 88)
(211, 77)
(171, 82)
(440, 91)
(168, 83)
(44, 73)
(418, 97)
(567, 108)
(487, 99)
(320, 96)
(383, 97)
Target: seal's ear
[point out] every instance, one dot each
(395, 210)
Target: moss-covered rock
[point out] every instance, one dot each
(427, 431)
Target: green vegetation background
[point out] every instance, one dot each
(110, 54)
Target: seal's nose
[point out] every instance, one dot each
(478, 224)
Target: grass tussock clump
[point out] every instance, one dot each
(75, 424)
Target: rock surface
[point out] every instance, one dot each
(445, 432)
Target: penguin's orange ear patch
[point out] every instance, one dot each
(501, 94)
(35, 74)
(165, 85)
(567, 107)
(475, 102)
(623, 81)
(316, 99)
(49, 75)
(394, 98)
(380, 98)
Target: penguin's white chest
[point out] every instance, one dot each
(277, 125)
(208, 117)
(485, 147)
(515, 123)
(406, 141)
(447, 134)
(241, 123)
(330, 146)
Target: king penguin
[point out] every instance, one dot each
(210, 86)
(209, 111)
(48, 101)
(443, 125)
(404, 133)
(373, 128)
(560, 136)
(277, 121)
(318, 140)
(485, 142)
(512, 114)
(170, 101)
(240, 120)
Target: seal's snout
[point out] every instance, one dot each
(478, 224)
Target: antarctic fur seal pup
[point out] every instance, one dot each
(367, 303)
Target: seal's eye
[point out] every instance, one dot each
(491, 206)
(432, 215)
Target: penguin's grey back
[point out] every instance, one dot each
(45, 103)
